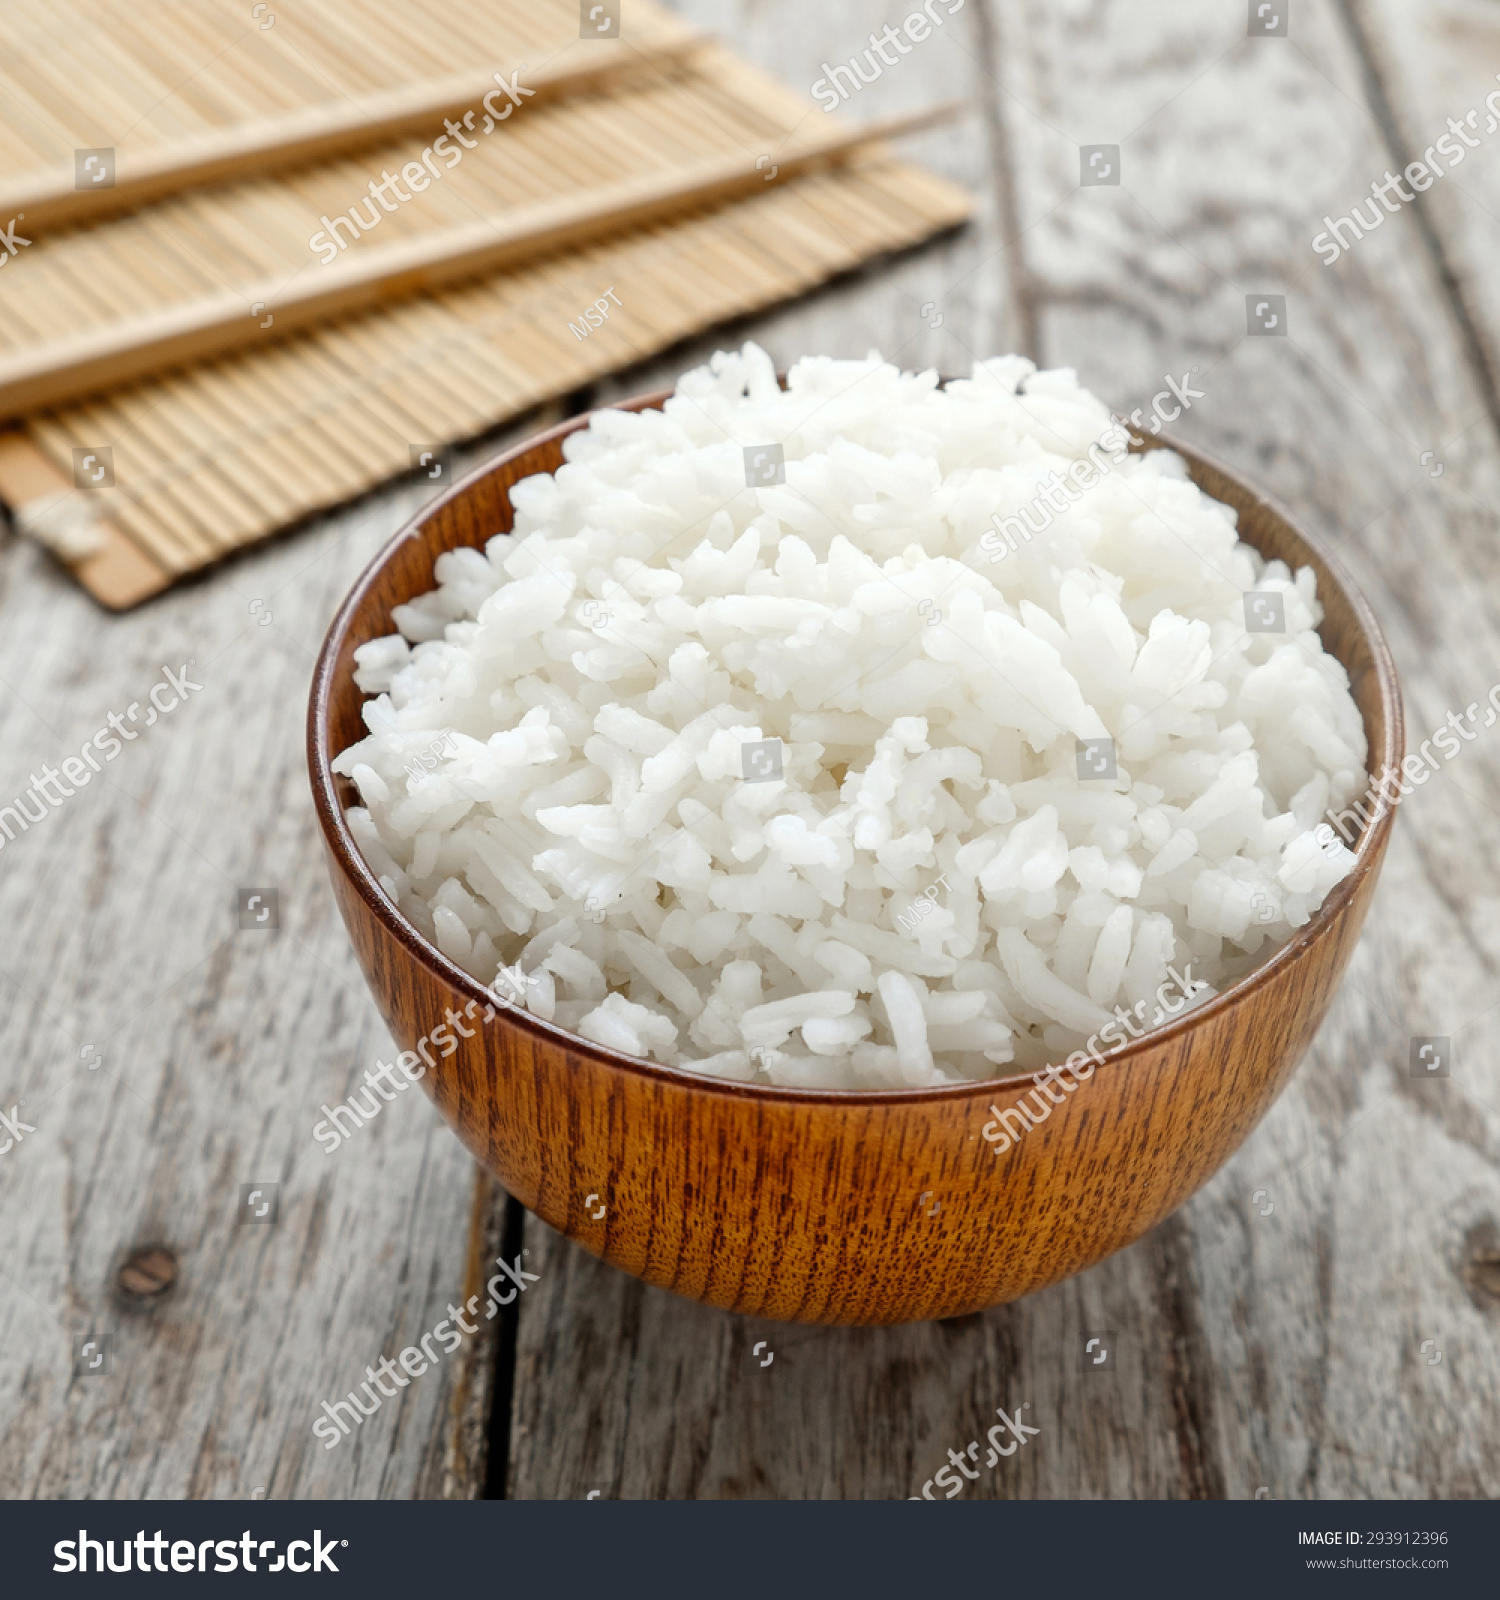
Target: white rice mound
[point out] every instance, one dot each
(553, 780)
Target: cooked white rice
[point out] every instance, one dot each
(555, 782)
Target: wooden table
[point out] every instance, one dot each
(1320, 1321)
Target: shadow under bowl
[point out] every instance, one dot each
(838, 1207)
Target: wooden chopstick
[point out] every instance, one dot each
(251, 149)
(63, 370)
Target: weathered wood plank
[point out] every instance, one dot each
(1428, 70)
(218, 1048)
(1262, 1350)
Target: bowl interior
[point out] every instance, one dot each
(478, 507)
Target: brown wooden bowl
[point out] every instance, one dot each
(821, 1206)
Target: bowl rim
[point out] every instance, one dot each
(346, 853)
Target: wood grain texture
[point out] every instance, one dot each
(1428, 70)
(218, 1048)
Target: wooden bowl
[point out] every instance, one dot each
(819, 1206)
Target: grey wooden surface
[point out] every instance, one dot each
(1334, 1336)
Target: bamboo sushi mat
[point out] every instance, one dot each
(211, 456)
